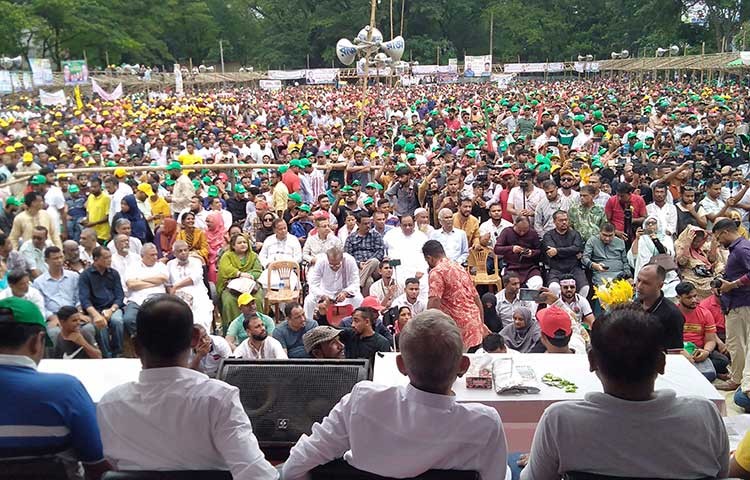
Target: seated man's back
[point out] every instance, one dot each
(407, 430)
(174, 418)
(630, 430)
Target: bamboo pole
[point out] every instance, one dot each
(373, 6)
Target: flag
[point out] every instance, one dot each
(77, 93)
(116, 93)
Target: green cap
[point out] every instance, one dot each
(85, 154)
(282, 169)
(169, 182)
(346, 188)
(13, 201)
(304, 163)
(71, 189)
(263, 171)
(374, 185)
(196, 184)
(213, 191)
(111, 163)
(638, 146)
(368, 201)
(295, 163)
(206, 179)
(599, 128)
(38, 180)
(409, 148)
(296, 197)
(305, 208)
(174, 166)
(23, 311)
(356, 183)
(239, 188)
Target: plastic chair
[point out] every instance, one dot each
(340, 470)
(284, 270)
(477, 262)
(168, 475)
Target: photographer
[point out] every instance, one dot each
(523, 199)
(735, 300)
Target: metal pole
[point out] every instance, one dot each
(492, 24)
(403, 7)
(221, 54)
(391, 12)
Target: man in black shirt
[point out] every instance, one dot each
(72, 341)
(237, 204)
(648, 285)
(361, 341)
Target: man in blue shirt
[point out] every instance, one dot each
(102, 298)
(41, 413)
(291, 331)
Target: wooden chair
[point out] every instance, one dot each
(284, 269)
(477, 268)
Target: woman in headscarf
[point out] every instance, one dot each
(166, 235)
(264, 230)
(737, 217)
(700, 259)
(238, 261)
(523, 334)
(491, 319)
(649, 242)
(194, 237)
(129, 211)
(215, 233)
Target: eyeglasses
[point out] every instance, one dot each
(567, 179)
(268, 220)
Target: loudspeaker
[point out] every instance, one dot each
(284, 398)
(394, 48)
(346, 51)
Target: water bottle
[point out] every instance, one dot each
(282, 284)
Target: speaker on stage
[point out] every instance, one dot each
(283, 398)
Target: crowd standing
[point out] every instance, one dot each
(364, 218)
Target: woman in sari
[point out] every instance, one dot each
(129, 211)
(195, 238)
(239, 261)
(700, 259)
(215, 239)
(523, 334)
(649, 242)
(166, 235)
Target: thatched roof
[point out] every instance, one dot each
(714, 61)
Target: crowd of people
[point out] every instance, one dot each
(344, 219)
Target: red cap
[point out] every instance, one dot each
(372, 302)
(552, 320)
(507, 171)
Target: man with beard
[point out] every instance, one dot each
(323, 342)
(575, 302)
(563, 248)
(361, 340)
(258, 345)
(72, 256)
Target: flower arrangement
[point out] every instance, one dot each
(614, 292)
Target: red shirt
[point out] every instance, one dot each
(291, 180)
(698, 322)
(452, 284)
(712, 304)
(616, 215)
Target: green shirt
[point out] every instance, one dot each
(235, 328)
(526, 126)
(565, 136)
(586, 221)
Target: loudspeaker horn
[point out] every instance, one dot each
(376, 38)
(660, 51)
(624, 54)
(674, 49)
(394, 48)
(346, 51)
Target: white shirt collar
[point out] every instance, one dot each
(430, 399)
(156, 375)
(17, 361)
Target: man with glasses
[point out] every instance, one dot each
(735, 301)
(567, 182)
(335, 277)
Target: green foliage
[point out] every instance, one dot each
(289, 33)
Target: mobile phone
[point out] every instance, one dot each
(528, 295)
(605, 267)
(394, 263)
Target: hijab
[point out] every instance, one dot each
(167, 235)
(137, 221)
(522, 339)
(215, 235)
(491, 319)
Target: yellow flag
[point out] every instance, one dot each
(79, 102)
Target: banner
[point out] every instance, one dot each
(286, 75)
(6, 85)
(477, 66)
(75, 72)
(116, 93)
(534, 67)
(503, 80)
(77, 94)
(582, 67)
(270, 84)
(321, 76)
(178, 88)
(407, 81)
(433, 69)
(41, 70)
(27, 81)
(453, 62)
(54, 98)
(16, 80)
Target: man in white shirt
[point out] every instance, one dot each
(258, 345)
(629, 420)
(453, 240)
(334, 276)
(508, 299)
(490, 230)
(186, 280)
(123, 259)
(664, 211)
(152, 424)
(403, 245)
(279, 246)
(372, 422)
(410, 298)
(145, 279)
(322, 241)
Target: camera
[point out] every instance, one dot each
(716, 282)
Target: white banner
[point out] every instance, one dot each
(478, 66)
(433, 69)
(286, 75)
(110, 97)
(319, 76)
(52, 98)
(28, 82)
(372, 71)
(157, 96)
(534, 67)
(409, 81)
(41, 70)
(453, 62)
(6, 84)
(178, 87)
(582, 67)
(270, 84)
(503, 80)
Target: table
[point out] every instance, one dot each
(521, 413)
(98, 376)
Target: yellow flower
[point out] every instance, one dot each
(613, 292)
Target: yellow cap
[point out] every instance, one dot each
(120, 172)
(245, 299)
(28, 157)
(146, 188)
